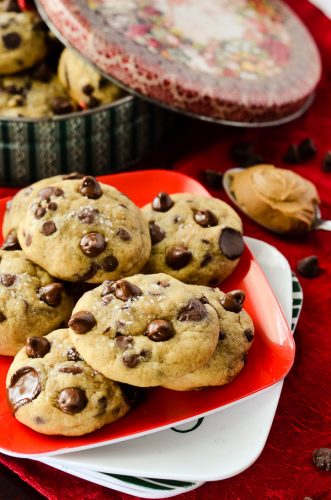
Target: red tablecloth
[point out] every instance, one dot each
(284, 470)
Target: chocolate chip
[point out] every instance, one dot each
(88, 215)
(11, 6)
(233, 301)
(159, 330)
(73, 355)
(39, 212)
(309, 267)
(212, 178)
(92, 244)
(11, 243)
(307, 149)
(221, 335)
(74, 370)
(2, 317)
(46, 193)
(24, 387)
(193, 311)
(231, 243)
(48, 228)
(206, 259)
(82, 322)
(326, 165)
(205, 218)
(52, 206)
(125, 290)
(61, 105)
(28, 239)
(240, 151)
(178, 257)
(38, 420)
(90, 187)
(130, 360)
(292, 154)
(204, 300)
(88, 89)
(123, 341)
(7, 279)
(322, 458)
(107, 287)
(72, 400)
(51, 294)
(162, 202)
(37, 347)
(73, 176)
(124, 234)
(249, 334)
(11, 40)
(109, 264)
(156, 232)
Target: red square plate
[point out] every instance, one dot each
(269, 360)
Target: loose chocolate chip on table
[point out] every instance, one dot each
(11, 243)
(82, 322)
(92, 244)
(292, 154)
(72, 400)
(37, 347)
(88, 89)
(90, 187)
(123, 341)
(7, 279)
(61, 105)
(249, 334)
(326, 165)
(178, 257)
(159, 330)
(109, 264)
(2, 317)
(233, 301)
(74, 370)
(193, 311)
(307, 149)
(322, 458)
(156, 232)
(24, 387)
(48, 228)
(130, 360)
(231, 243)
(162, 202)
(73, 355)
(124, 234)
(51, 294)
(88, 215)
(125, 290)
(309, 267)
(212, 178)
(11, 40)
(205, 218)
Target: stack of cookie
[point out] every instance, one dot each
(29, 63)
(162, 327)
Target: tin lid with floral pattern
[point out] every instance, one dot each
(234, 61)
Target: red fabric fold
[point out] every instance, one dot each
(302, 423)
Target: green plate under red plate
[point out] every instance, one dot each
(269, 359)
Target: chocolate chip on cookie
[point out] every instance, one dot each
(11, 243)
(48, 228)
(159, 330)
(123, 234)
(125, 290)
(156, 232)
(233, 301)
(88, 215)
(92, 244)
(205, 218)
(231, 243)
(162, 202)
(11, 40)
(72, 400)
(178, 257)
(7, 279)
(51, 294)
(24, 387)
(109, 263)
(193, 311)
(82, 322)
(37, 347)
(90, 187)
(73, 355)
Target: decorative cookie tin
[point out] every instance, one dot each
(102, 140)
(238, 61)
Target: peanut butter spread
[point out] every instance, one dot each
(279, 199)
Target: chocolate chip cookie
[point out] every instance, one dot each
(22, 41)
(84, 83)
(17, 207)
(144, 330)
(82, 230)
(197, 239)
(30, 301)
(236, 335)
(51, 389)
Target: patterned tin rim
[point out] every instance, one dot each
(248, 104)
